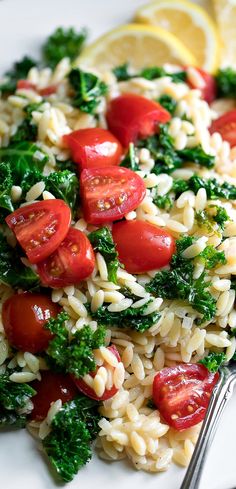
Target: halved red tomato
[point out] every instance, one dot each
(142, 246)
(94, 148)
(109, 193)
(50, 388)
(89, 391)
(24, 317)
(209, 89)
(72, 262)
(226, 126)
(41, 227)
(182, 394)
(132, 116)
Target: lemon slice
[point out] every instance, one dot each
(138, 45)
(190, 23)
(225, 11)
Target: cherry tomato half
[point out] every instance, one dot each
(72, 261)
(51, 387)
(27, 85)
(132, 116)
(89, 391)
(182, 394)
(209, 88)
(142, 246)
(109, 193)
(40, 227)
(226, 126)
(24, 317)
(94, 148)
(46, 91)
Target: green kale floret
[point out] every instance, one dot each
(6, 183)
(226, 83)
(64, 185)
(12, 270)
(13, 398)
(163, 202)
(88, 90)
(212, 258)
(63, 43)
(213, 361)
(18, 72)
(102, 241)
(211, 218)
(129, 318)
(73, 355)
(179, 283)
(74, 427)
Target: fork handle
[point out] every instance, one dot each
(220, 396)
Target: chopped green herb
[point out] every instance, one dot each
(88, 90)
(213, 188)
(19, 71)
(226, 83)
(13, 398)
(129, 318)
(179, 283)
(63, 43)
(12, 270)
(74, 427)
(163, 202)
(102, 241)
(168, 103)
(74, 356)
(213, 361)
(213, 218)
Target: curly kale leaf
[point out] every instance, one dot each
(179, 283)
(122, 73)
(74, 427)
(213, 361)
(74, 355)
(168, 103)
(212, 258)
(19, 71)
(88, 90)
(102, 241)
(23, 156)
(167, 158)
(129, 318)
(64, 185)
(6, 183)
(12, 270)
(63, 43)
(13, 398)
(226, 83)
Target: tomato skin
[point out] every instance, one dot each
(182, 394)
(24, 316)
(93, 148)
(88, 391)
(40, 227)
(142, 246)
(51, 387)
(72, 262)
(209, 90)
(46, 91)
(25, 85)
(132, 116)
(226, 126)
(109, 193)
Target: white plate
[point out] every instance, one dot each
(24, 24)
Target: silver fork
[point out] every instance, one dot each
(220, 396)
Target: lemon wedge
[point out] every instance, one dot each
(190, 24)
(225, 11)
(139, 45)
